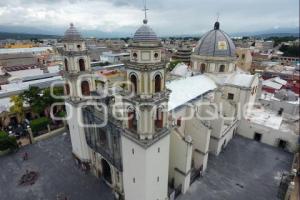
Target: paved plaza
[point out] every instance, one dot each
(58, 174)
(246, 170)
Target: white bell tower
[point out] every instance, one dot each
(146, 137)
(78, 86)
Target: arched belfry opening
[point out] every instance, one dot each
(132, 120)
(159, 118)
(133, 80)
(81, 65)
(106, 171)
(66, 65)
(222, 68)
(157, 83)
(85, 88)
(67, 87)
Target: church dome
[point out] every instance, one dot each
(215, 43)
(145, 34)
(72, 33)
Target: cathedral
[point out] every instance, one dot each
(149, 137)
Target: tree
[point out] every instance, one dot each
(48, 99)
(7, 142)
(172, 65)
(41, 100)
(291, 51)
(279, 40)
(31, 95)
(17, 107)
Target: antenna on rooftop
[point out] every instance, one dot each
(145, 21)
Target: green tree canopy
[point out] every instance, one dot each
(291, 51)
(39, 99)
(18, 106)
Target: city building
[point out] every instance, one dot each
(264, 46)
(183, 54)
(244, 59)
(114, 58)
(271, 127)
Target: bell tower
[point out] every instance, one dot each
(146, 140)
(78, 86)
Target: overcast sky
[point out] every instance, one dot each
(165, 16)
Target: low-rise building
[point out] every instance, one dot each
(114, 58)
(283, 101)
(269, 127)
(244, 59)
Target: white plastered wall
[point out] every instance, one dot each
(78, 140)
(145, 171)
(269, 136)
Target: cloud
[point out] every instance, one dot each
(165, 16)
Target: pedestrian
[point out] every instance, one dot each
(25, 156)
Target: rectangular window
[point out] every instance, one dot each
(230, 96)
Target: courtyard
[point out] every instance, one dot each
(245, 170)
(58, 176)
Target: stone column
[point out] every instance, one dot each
(31, 138)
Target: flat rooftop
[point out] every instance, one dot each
(25, 50)
(246, 170)
(262, 116)
(271, 119)
(58, 174)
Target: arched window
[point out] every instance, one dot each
(67, 86)
(81, 65)
(159, 118)
(202, 68)
(132, 121)
(157, 83)
(222, 68)
(85, 88)
(133, 81)
(66, 65)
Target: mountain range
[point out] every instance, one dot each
(14, 32)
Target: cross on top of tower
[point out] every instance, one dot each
(218, 16)
(217, 23)
(145, 21)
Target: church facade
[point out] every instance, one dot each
(149, 137)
